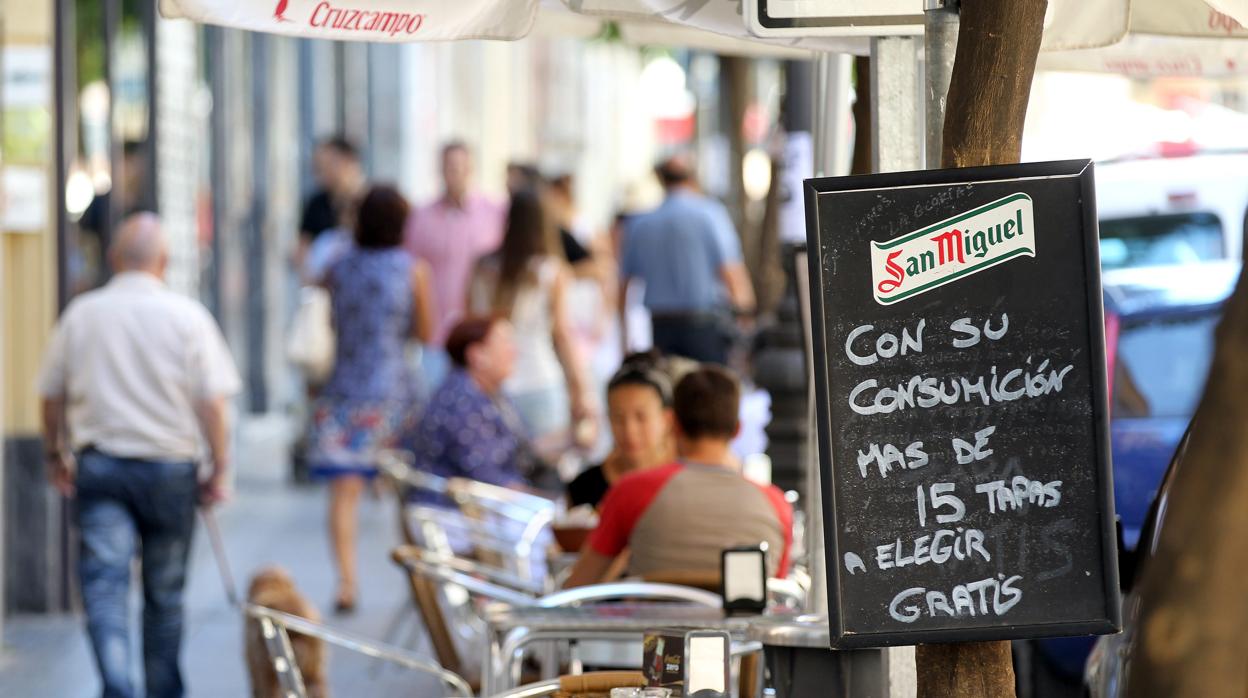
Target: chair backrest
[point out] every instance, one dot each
(517, 516)
(400, 467)
(428, 602)
(398, 471)
(511, 544)
(501, 499)
(276, 624)
(788, 593)
(483, 580)
(430, 576)
(635, 591)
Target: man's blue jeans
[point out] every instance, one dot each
(129, 508)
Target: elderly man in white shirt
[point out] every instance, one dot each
(140, 376)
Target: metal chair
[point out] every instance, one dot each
(517, 517)
(442, 615)
(435, 579)
(497, 525)
(275, 626)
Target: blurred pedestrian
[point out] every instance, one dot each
(639, 398)
(593, 290)
(450, 234)
(331, 245)
(140, 377)
(380, 298)
(689, 256)
(89, 257)
(527, 281)
(521, 176)
(340, 178)
(573, 236)
(470, 429)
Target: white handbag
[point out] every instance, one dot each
(310, 345)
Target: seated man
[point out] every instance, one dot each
(679, 517)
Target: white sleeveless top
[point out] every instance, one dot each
(537, 364)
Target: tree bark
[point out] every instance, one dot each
(987, 103)
(861, 163)
(965, 670)
(736, 89)
(1189, 636)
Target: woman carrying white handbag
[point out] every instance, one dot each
(379, 299)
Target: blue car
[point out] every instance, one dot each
(1159, 325)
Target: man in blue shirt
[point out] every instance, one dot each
(689, 256)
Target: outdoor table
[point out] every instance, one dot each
(509, 629)
(796, 649)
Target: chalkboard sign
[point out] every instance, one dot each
(961, 405)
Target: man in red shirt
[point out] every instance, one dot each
(681, 516)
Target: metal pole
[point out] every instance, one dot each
(940, 43)
(64, 99)
(112, 19)
(873, 672)
(65, 104)
(832, 76)
(833, 79)
(895, 108)
(896, 114)
(219, 171)
(257, 311)
(148, 194)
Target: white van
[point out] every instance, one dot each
(1172, 210)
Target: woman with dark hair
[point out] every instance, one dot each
(380, 299)
(470, 428)
(639, 398)
(526, 281)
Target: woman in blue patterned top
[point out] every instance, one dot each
(380, 300)
(470, 429)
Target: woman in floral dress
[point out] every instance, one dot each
(380, 298)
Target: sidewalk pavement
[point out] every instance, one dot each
(270, 521)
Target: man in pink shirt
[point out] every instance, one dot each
(450, 233)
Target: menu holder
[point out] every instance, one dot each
(743, 579)
(694, 664)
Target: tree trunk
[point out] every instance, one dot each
(735, 93)
(965, 670)
(861, 163)
(987, 103)
(1190, 638)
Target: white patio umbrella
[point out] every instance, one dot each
(1164, 37)
(712, 25)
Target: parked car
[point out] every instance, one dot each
(1172, 210)
(1159, 344)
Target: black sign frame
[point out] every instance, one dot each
(1111, 619)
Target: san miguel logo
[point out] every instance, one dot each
(326, 15)
(952, 249)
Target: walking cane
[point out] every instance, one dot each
(218, 552)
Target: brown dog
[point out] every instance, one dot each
(273, 588)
